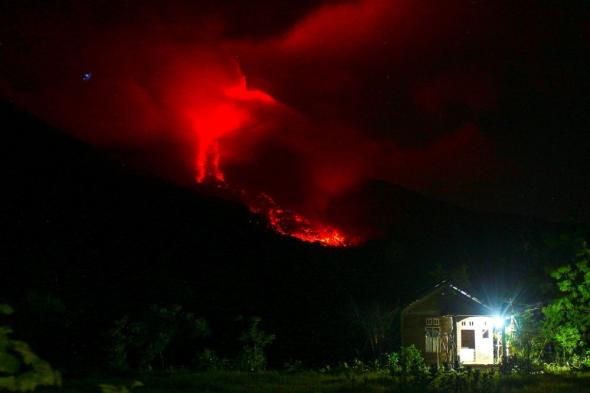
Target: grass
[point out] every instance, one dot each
(311, 382)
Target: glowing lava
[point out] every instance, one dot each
(291, 224)
(212, 122)
(219, 118)
(287, 222)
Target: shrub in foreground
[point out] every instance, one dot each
(254, 340)
(21, 370)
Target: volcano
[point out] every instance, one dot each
(109, 237)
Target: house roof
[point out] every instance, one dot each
(451, 300)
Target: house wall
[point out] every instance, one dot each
(413, 328)
(413, 333)
(447, 303)
(483, 347)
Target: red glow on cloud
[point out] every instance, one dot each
(341, 97)
(341, 28)
(211, 123)
(242, 93)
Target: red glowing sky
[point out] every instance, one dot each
(303, 104)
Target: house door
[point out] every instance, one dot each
(467, 346)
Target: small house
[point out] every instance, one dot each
(451, 327)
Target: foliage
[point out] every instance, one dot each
(567, 318)
(412, 363)
(351, 369)
(21, 370)
(393, 363)
(208, 360)
(575, 363)
(528, 342)
(293, 366)
(556, 368)
(464, 381)
(309, 381)
(108, 388)
(119, 342)
(254, 340)
(407, 363)
(147, 342)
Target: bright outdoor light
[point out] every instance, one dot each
(498, 322)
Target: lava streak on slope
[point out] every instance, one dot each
(291, 224)
(214, 122)
(294, 225)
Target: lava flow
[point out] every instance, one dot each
(213, 122)
(289, 223)
(292, 224)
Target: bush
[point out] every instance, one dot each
(254, 341)
(392, 363)
(293, 366)
(463, 381)
(556, 368)
(208, 360)
(585, 361)
(409, 362)
(521, 364)
(528, 342)
(154, 339)
(108, 388)
(21, 370)
(567, 318)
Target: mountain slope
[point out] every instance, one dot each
(105, 240)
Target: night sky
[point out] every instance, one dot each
(483, 104)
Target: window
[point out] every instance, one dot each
(432, 322)
(432, 334)
(486, 333)
(467, 338)
(466, 323)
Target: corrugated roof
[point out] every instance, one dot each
(446, 284)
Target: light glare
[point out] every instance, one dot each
(498, 322)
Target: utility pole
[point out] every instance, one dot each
(504, 343)
(505, 311)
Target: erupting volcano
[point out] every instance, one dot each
(214, 121)
(329, 108)
(211, 124)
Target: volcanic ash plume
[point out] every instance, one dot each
(212, 123)
(338, 95)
